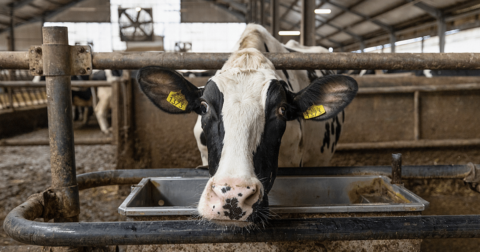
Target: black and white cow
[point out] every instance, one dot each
(251, 121)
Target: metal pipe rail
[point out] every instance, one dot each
(126, 177)
(21, 84)
(19, 222)
(136, 60)
(36, 142)
(405, 144)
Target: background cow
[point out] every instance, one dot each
(253, 119)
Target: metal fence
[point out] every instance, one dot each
(61, 201)
(14, 98)
(25, 94)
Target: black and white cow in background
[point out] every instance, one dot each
(251, 118)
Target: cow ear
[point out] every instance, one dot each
(168, 90)
(325, 97)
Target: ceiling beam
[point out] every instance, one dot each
(321, 36)
(46, 14)
(340, 13)
(434, 12)
(237, 14)
(236, 6)
(393, 8)
(410, 27)
(365, 17)
(289, 8)
(299, 22)
(438, 15)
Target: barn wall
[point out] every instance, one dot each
(164, 140)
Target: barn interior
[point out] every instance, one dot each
(429, 116)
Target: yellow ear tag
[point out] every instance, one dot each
(178, 100)
(314, 111)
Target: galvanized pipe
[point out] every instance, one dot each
(136, 60)
(407, 61)
(22, 84)
(413, 89)
(19, 225)
(13, 60)
(129, 177)
(56, 63)
(408, 144)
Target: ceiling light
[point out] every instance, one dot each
(289, 33)
(323, 11)
(138, 9)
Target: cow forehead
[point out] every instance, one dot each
(243, 87)
(243, 108)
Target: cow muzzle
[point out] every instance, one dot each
(230, 199)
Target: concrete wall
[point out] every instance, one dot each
(22, 120)
(164, 140)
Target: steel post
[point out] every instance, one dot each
(275, 18)
(307, 33)
(57, 69)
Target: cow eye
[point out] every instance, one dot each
(204, 107)
(281, 111)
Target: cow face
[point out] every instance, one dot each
(244, 114)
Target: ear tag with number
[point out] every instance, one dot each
(314, 111)
(177, 99)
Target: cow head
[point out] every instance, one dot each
(244, 110)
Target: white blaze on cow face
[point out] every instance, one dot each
(244, 81)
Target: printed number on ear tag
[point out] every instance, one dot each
(178, 100)
(314, 111)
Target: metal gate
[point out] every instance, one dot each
(57, 61)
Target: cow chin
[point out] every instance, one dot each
(231, 201)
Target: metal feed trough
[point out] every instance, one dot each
(178, 196)
(58, 61)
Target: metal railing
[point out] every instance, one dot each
(25, 94)
(417, 142)
(21, 97)
(61, 201)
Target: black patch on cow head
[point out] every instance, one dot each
(203, 140)
(212, 125)
(265, 158)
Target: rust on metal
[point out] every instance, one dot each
(34, 142)
(408, 144)
(57, 69)
(407, 61)
(333, 61)
(21, 84)
(423, 88)
(397, 168)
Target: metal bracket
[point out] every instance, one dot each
(56, 204)
(80, 59)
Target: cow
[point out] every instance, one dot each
(253, 119)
